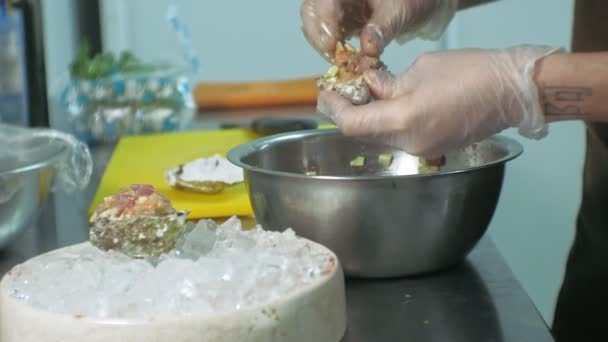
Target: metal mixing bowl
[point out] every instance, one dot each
(380, 222)
(25, 181)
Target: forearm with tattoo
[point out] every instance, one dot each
(574, 86)
(565, 100)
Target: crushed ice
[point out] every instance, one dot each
(215, 268)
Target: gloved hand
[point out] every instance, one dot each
(447, 100)
(378, 22)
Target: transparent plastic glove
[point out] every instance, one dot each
(21, 149)
(447, 100)
(377, 22)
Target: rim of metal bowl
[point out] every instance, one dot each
(37, 165)
(512, 147)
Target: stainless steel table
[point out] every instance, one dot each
(478, 301)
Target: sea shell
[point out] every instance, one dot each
(356, 90)
(140, 236)
(345, 76)
(138, 222)
(205, 175)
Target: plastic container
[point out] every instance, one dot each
(102, 110)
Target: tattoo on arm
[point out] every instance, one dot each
(564, 101)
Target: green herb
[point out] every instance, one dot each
(87, 67)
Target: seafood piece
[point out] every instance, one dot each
(385, 160)
(137, 221)
(431, 165)
(358, 162)
(346, 74)
(206, 175)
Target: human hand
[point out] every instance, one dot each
(446, 100)
(377, 22)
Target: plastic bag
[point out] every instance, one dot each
(26, 150)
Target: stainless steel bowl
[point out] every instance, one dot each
(25, 183)
(380, 222)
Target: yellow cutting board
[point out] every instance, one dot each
(143, 159)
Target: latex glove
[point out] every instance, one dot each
(378, 22)
(447, 100)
